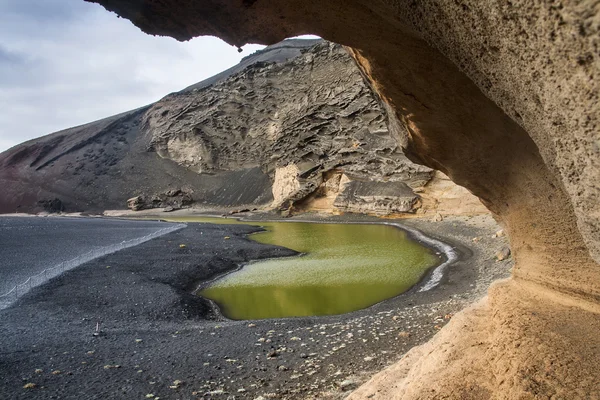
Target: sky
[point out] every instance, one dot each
(64, 63)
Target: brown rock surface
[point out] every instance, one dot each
(502, 97)
(441, 195)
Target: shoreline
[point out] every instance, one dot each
(41, 277)
(145, 296)
(430, 279)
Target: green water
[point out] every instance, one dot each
(346, 267)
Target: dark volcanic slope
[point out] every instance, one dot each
(302, 103)
(99, 165)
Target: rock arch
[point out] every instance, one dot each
(502, 96)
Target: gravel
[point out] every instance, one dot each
(134, 330)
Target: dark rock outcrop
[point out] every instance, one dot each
(170, 200)
(52, 205)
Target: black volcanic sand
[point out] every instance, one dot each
(157, 340)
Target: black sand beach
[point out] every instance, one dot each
(157, 340)
(30, 245)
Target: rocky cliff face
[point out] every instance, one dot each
(312, 113)
(263, 134)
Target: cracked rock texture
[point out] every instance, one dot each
(502, 97)
(311, 113)
(261, 134)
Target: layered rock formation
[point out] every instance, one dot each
(263, 134)
(295, 120)
(502, 97)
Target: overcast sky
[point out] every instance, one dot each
(67, 62)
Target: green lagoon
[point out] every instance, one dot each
(343, 268)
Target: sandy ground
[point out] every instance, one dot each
(32, 245)
(157, 340)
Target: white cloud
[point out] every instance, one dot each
(66, 62)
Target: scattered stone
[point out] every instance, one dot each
(251, 325)
(404, 334)
(109, 366)
(182, 246)
(170, 200)
(369, 358)
(437, 218)
(347, 384)
(29, 386)
(176, 384)
(38, 371)
(503, 254)
(56, 372)
(138, 340)
(52, 205)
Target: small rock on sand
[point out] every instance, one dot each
(503, 254)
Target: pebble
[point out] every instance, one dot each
(503, 254)
(347, 384)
